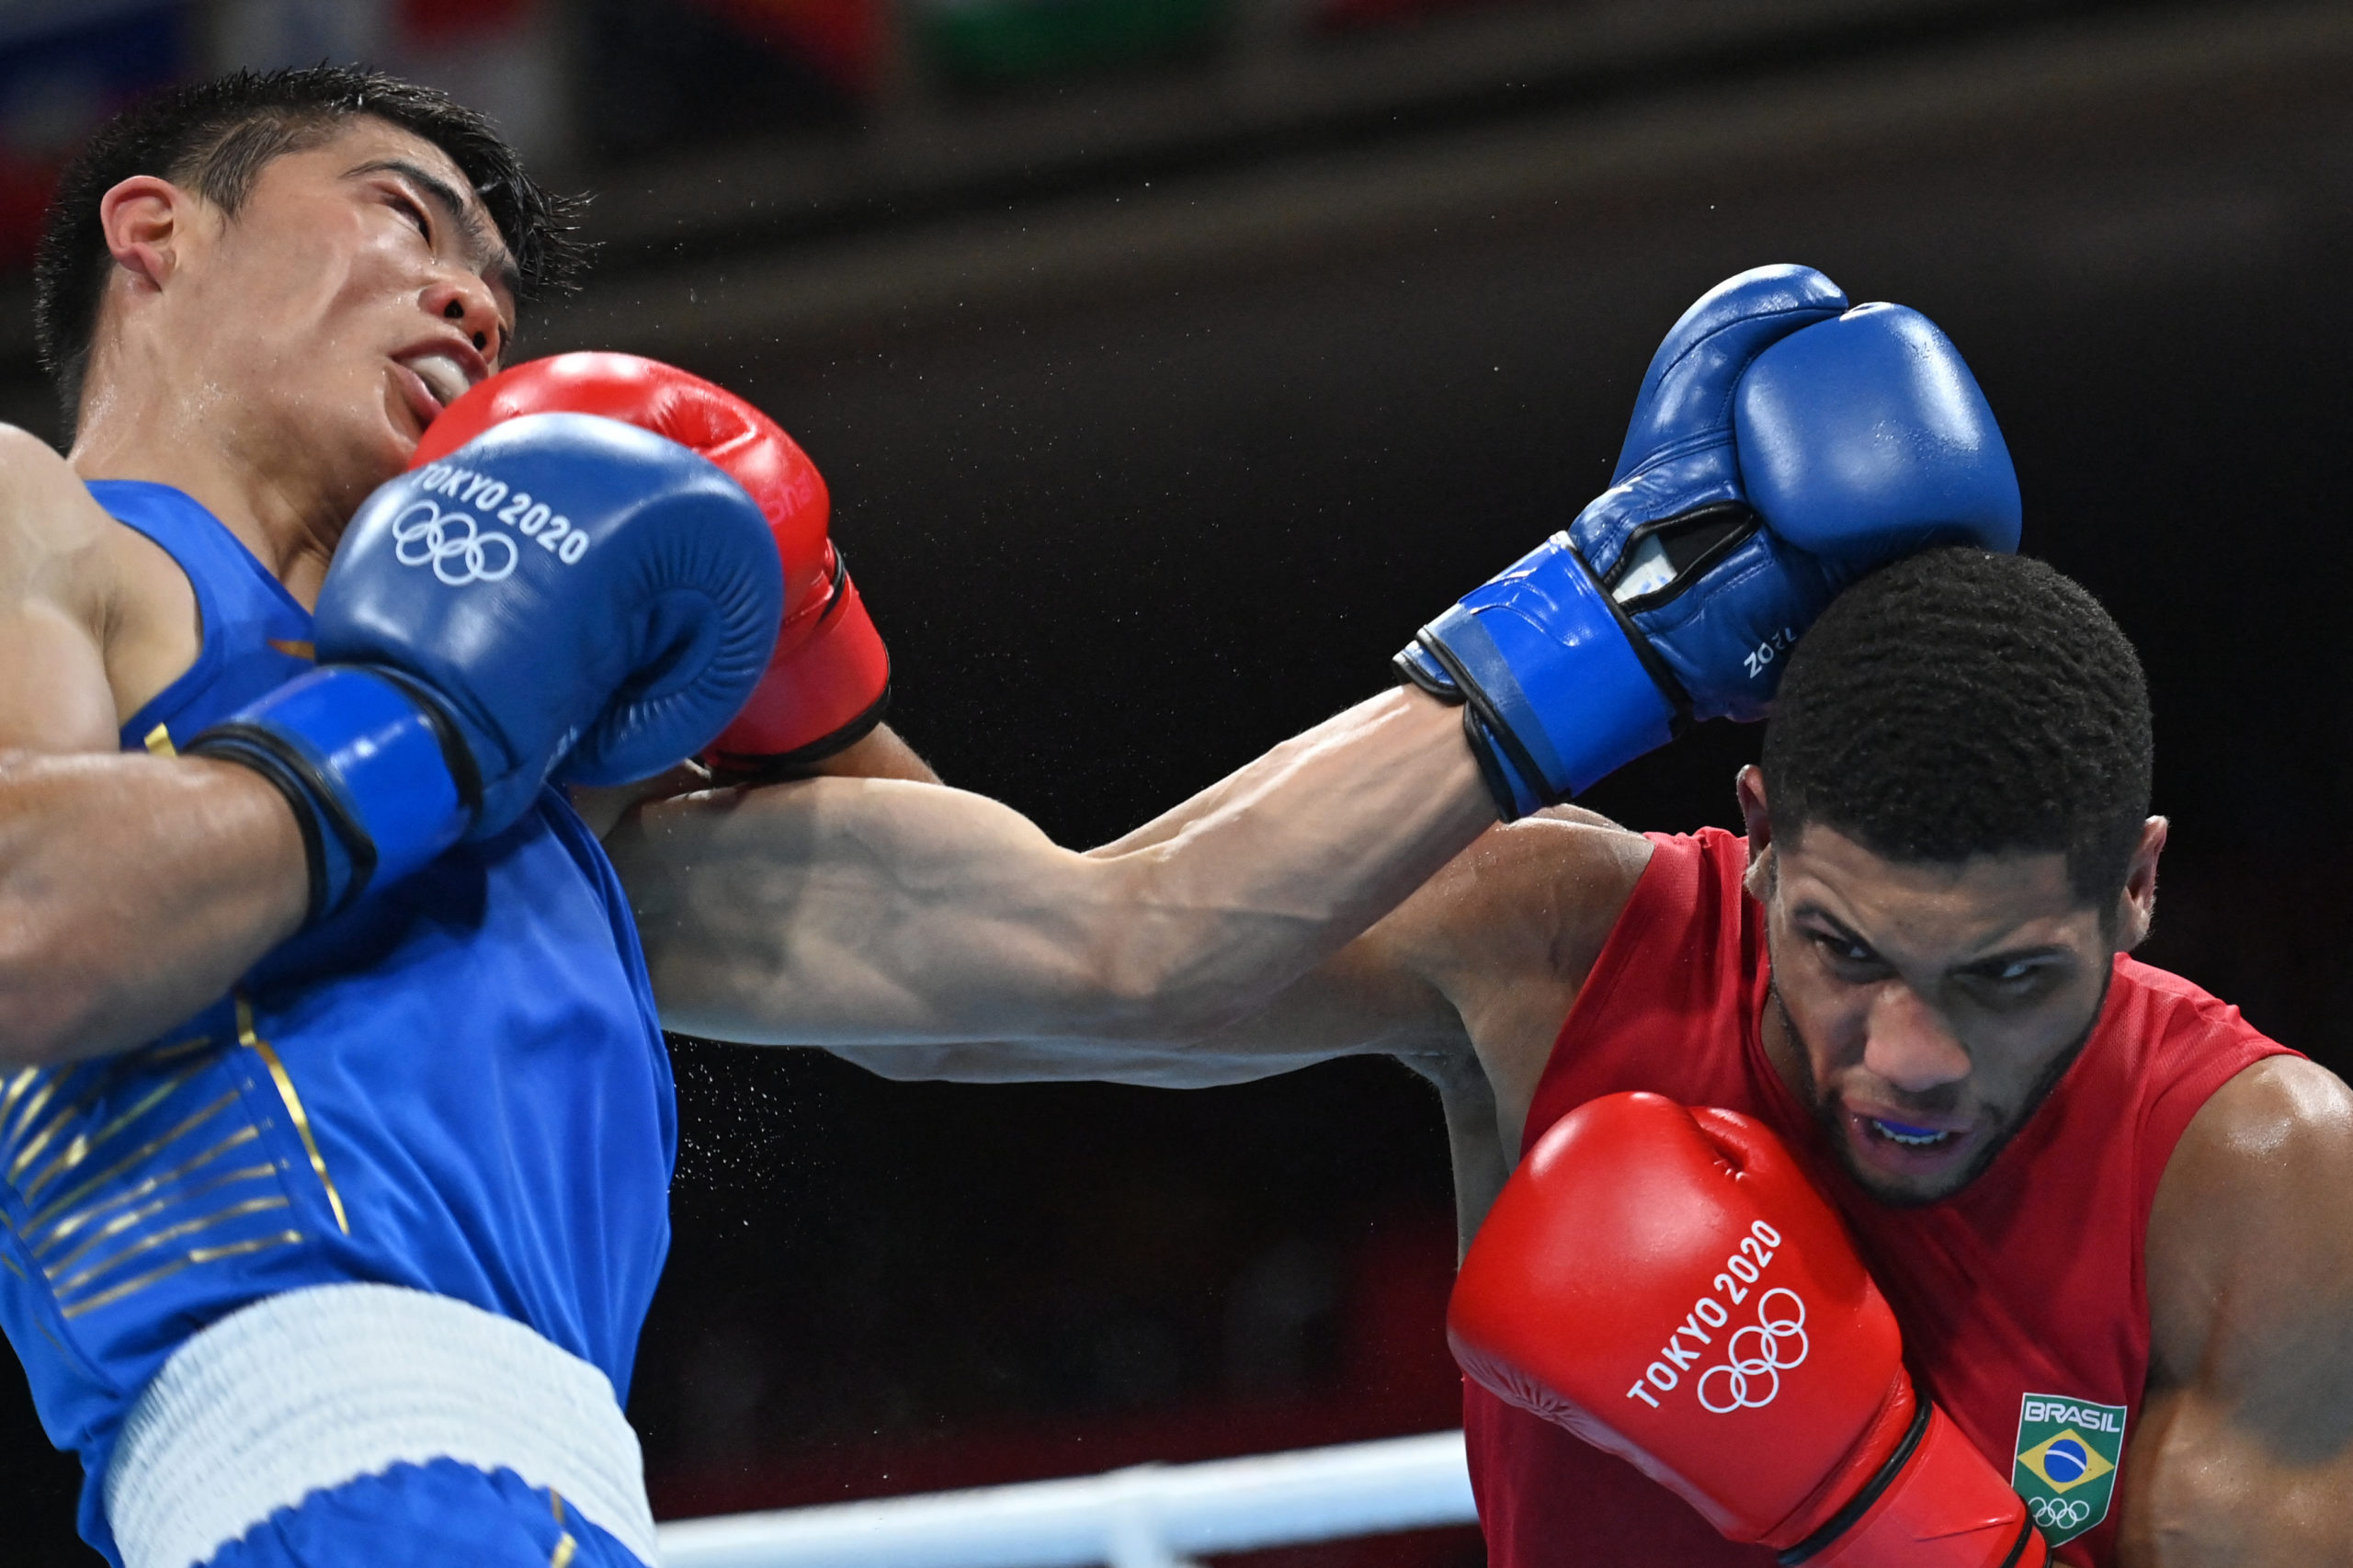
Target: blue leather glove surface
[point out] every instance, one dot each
(1781, 444)
(564, 599)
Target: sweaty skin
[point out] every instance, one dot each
(1939, 997)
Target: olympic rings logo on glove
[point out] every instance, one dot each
(2060, 1513)
(425, 535)
(1750, 1379)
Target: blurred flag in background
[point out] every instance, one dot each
(585, 88)
(982, 41)
(64, 66)
(844, 40)
(67, 65)
(498, 56)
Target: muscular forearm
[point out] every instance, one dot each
(1235, 896)
(839, 914)
(133, 890)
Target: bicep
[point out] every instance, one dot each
(2246, 1453)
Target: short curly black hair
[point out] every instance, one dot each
(214, 137)
(1959, 703)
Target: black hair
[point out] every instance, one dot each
(214, 138)
(1961, 703)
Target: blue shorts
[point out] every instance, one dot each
(438, 1515)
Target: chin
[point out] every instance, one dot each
(390, 444)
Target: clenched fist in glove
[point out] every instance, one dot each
(829, 681)
(1664, 1284)
(1781, 444)
(562, 598)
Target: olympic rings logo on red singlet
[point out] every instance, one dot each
(425, 535)
(1776, 1342)
(2060, 1513)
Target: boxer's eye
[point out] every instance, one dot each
(2015, 980)
(415, 215)
(1848, 956)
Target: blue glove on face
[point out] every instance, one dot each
(1778, 449)
(567, 597)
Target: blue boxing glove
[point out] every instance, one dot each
(1781, 444)
(567, 597)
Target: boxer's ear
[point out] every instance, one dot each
(1757, 818)
(2137, 905)
(143, 218)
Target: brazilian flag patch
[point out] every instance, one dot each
(2067, 1456)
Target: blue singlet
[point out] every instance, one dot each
(459, 1086)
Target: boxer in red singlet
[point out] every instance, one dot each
(2114, 1221)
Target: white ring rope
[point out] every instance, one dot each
(1150, 1517)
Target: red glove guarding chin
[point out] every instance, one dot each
(1666, 1285)
(829, 680)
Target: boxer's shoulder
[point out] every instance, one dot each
(1530, 900)
(65, 558)
(92, 602)
(51, 528)
(1512, 927)
(2250, 1236)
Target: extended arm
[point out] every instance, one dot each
(836, 912)
(2245, 1454)
(133, 889)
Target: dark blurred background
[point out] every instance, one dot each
(1170, 361)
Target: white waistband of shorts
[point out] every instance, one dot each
(315, 1388)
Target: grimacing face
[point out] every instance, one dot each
(1924, 1011)
(359, 289)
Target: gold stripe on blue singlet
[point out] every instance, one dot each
(83, 1144)
(565, 1547)
(294, 1102)
(201, 1255)
(34, 1103)
(131, 1217)
(68, 1222)
(14, 1090)
(73, 1282)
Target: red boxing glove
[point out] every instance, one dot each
(829, 680)
(1666, 1284)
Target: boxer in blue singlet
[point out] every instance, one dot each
(336, 1123)
(173, 1185)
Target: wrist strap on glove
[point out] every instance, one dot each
(1557, 690)
(1935, 1501)
(377, 780)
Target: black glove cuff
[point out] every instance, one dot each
(338, 873)
(1860, 1503)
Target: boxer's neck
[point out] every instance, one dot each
(147, 418)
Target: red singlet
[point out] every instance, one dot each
(2027, 1282)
